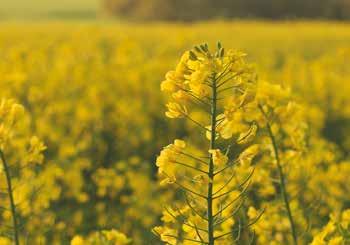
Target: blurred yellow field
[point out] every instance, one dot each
(82, 155)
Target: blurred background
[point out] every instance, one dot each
(180, 10)
(88, 73)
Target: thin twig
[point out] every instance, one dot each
(189, 166)
(240, 185)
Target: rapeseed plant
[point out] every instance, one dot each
(239, 110)
(18, 157)
(200, 80)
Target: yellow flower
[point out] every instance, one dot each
(35, 150)
(248, 154)
(170, 84)
(117, 237)
(180, 96)
(77, 240)
(219, 159)
(5, 241)
(199, 89)
(168, 181)
(336, 241)
(169, 215)
(175, 110)
(345, 219)
(252, 213)
(180, 144)
(181, 68)
(166, 234)
(165, 161)
(330, 227)
(16, 111)
(248, 135)
(247, 97)
(271, 94)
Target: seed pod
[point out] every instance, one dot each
(204, 48)
(219, 45)
(198, 49)
(193, 56)
(222, 52)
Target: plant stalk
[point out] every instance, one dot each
(10, 194)
(283, 185)
(211, 165)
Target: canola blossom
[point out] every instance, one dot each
(254, 116)
(106, 237)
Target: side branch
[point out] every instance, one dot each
(240, 185)
(184, 188)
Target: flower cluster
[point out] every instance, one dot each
(105, 237)
(223, 86)
(243, 113)
(336, 232)
(19, 157)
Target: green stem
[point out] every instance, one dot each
(10, 193)
(211, 238)
(283, 184)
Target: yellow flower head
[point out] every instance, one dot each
(246, 157)
(77, 240)
(116, 236)
(248, 135)
(175, 110)
(219, 159)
